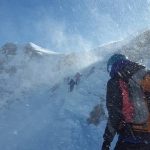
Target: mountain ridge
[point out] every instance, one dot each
(40, 112)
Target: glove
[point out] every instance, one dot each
(106, 145)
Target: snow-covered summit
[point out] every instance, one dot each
(28, 48)
(33, 47)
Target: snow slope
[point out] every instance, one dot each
(37, 110)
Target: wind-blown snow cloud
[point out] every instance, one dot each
(55, 34)
(93, 23)
(71, 25)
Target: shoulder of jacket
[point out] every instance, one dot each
(113, 81)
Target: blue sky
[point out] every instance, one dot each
(71, 25)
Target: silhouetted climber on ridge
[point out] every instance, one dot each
(71, 83)
(77, 78)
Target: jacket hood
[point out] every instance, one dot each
(125, 69)
(118, 66)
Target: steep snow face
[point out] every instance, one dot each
(41, 110)
(27, 66)
(53, 117)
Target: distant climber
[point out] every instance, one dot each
(77, 78)
(71, 85)
(96, 115)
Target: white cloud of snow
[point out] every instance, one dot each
(56, 34)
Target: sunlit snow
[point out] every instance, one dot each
(37, 110)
